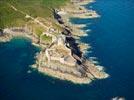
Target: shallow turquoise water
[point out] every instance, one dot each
(112, 41)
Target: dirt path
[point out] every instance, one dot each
(28, 16)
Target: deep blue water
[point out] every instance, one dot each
(112, 43)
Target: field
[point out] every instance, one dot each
(40, 8)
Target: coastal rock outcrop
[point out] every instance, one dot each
(62, 56)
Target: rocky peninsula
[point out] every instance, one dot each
(61, 56)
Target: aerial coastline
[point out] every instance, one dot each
(62, 57)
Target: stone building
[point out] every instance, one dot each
(59, 52)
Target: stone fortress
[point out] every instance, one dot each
(60, 52)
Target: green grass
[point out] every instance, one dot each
(41, 8)
(39, 31)
(46, 39)
(9, 17)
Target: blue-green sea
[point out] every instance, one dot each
(112, 41)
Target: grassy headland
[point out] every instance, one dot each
(35, 8)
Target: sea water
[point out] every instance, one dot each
(112, 41)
